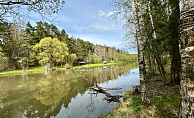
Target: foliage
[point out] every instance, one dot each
(73, 57)
(18, 43)
(136, 103)
(51, 50)
(67, 66)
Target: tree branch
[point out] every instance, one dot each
(15, 3)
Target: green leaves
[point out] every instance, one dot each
(51, 50)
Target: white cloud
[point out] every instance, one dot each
(101, 13)
(110, 14)
(106, 15)
(95, 28)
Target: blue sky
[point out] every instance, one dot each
(90, 20)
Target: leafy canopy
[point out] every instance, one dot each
(51, 50)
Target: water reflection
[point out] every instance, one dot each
(63, 94)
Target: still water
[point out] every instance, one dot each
(65, 94)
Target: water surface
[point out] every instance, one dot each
(64, 94)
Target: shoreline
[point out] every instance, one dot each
(164, 102)
(42, 69)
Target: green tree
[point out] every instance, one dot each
(173, 25)
(39, 31)
(72, 57)
(63, 35)
(51, 51)
(81, 51)
(55, 32)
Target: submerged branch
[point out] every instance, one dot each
(109, 97)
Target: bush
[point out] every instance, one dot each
(67, 66)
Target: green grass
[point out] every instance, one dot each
(42, 69)
(18, 72)
(136, 103)
(167, 104)
(164, 102)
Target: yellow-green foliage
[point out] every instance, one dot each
(126, 57)
(2, 56)
(50, 50)
(73, 57)
(3, 60)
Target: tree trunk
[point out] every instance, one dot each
(160, 67)
(186, 109)
(174, 42)
(156, 55)
(140, 47)
(150, 62)
(28, 58)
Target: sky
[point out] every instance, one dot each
(90, 20)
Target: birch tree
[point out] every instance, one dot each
(141, 61)
(186, 109)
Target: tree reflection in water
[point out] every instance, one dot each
(40, 95)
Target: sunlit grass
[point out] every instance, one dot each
(42, 69)
(18, 72)
(93, 65)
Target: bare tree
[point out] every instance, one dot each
(22, 8)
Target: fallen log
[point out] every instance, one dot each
(109, 97)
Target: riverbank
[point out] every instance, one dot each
(164, 102)
(42, 69)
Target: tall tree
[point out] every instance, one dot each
(141, 61)
(155, 47)
(39, 31)
(63, 35)
(186, 109)
(173, 41)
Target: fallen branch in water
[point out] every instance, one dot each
(113, 88)
(109, 97)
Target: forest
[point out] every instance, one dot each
(44, 43)
(162, 31)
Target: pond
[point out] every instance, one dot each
(63, 94)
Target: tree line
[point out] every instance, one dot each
(45, 43)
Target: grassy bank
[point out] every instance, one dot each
(19, 72)
(42, 69)
(164, 102)
(98, 65)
